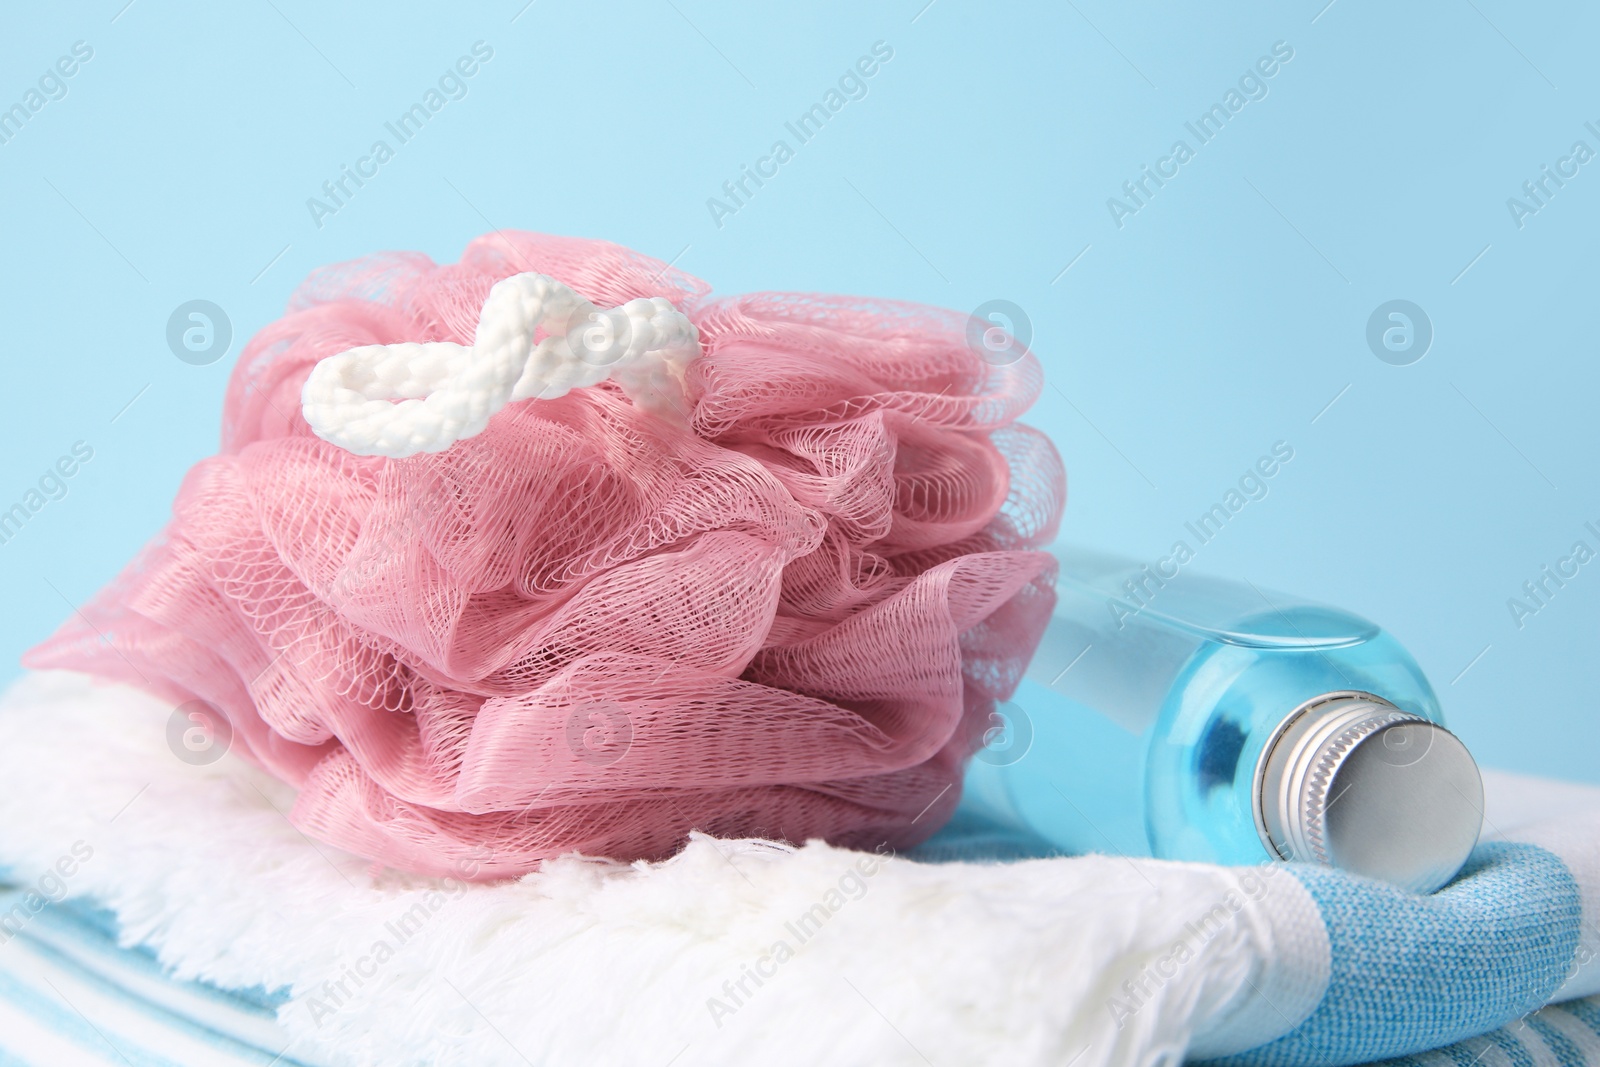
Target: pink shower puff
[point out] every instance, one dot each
(586, 628)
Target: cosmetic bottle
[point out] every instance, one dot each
(1172, 714)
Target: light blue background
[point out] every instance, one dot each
(1223, 317)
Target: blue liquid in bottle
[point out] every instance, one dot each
(1189, 717)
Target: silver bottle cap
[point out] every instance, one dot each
(1351, 781)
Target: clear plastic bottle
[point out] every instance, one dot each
(1194, 718)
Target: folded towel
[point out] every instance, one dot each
(736, 951)
(67, 969)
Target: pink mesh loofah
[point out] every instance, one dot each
(585, 628)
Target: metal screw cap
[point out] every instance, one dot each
(1351, 781)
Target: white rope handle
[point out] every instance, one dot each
(401, 399)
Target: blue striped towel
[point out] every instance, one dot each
(69, 995)
(1455, 979)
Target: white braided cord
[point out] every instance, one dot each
(400, 399)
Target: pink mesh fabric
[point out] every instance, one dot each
(585, 629)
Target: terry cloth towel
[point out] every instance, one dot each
(241, 941)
